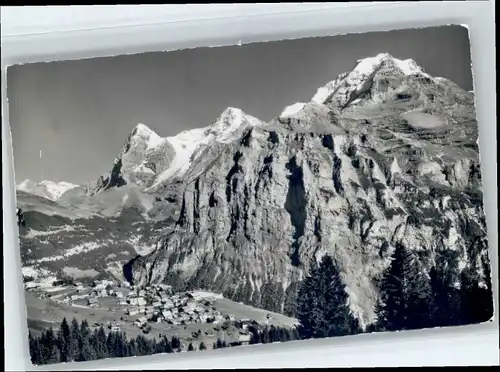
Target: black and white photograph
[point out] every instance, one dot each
(220, 197)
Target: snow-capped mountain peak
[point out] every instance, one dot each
(361, 75)
(145, 135)
(230, 124)
(368, 65)
(148, 160)
(47, 189)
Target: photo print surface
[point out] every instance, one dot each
(217, 197)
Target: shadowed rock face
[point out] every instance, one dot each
(383, 154)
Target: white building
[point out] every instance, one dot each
(133, 311)
(168, 304)
(92, 301)
(245, 338)
(204, 317)
(132, 300)
(77, 297)
(139, 301)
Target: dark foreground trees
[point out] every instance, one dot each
(77, 342)
(405, 294)
(410, 296)
(411, 299)
(322, 307)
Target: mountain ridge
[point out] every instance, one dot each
(388, 157)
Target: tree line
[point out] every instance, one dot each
(77, 342)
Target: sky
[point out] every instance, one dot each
(79, 113)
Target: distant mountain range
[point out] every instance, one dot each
(384, 153)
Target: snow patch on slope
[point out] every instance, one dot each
(292, 109)
(32, 233)
(78, 249)
(184, 144)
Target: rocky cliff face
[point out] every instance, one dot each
(383, 154)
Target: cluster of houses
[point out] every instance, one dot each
(154, 305)
(99, 289)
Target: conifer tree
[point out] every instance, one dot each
(154, 346)
(168, 346)
(74, 343)
(132, 348)
(254, 336)
(176, 343)
(47, 346)
(86, 350)
(419, 308)
(35, 350)
(111, 344)
(64, 340)
(54, 355)
(476, 298)
(273, 334)
(284, 334)
(405, 294)
(265, 337)
(445, 309)
(218, 344)
(98, 342)
(322, 307)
